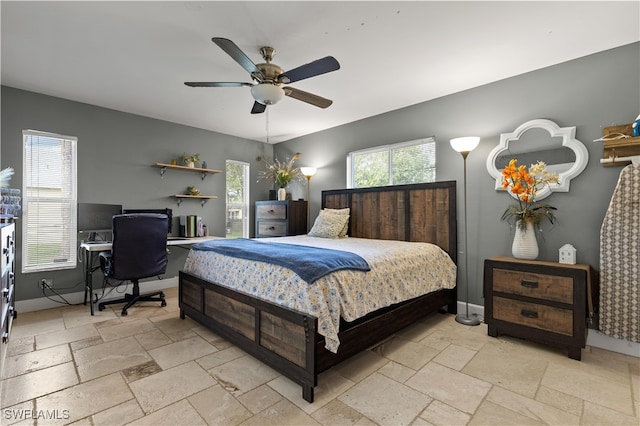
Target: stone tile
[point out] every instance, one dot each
(560, 400)
(361, 365)
(19, 414)
(126, 329)
(80, 315)
(260, 398)
(37, 360)
(439, 413)
(100, 360)
(598, 415)
(536, 410)
(180, 352)
(21, 345)
(450, 386)
(165, 388)
(330, 384)
(37, 323)
(457, 335)
(590, 387)
(137, 372)
(454, 356)
(385, 401)
(85, 343)
(284, 413)
(337, 413)
(507, 366)
(55, 338)
(491, 414)
(218, 358)
(405, 352)
(105, 392)
(180, 413)
(38, 383)
(242, 374)
(119, 415)
(397, 372)
(217, 406)
(153, 339)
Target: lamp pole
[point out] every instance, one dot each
(464, 146)
(308, 172)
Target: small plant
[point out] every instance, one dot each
(186, 159)
(281, 173)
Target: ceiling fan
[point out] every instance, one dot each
(268, 77)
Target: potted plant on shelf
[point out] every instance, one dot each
(281, 173)
(190, 160)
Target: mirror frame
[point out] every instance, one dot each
(569, 140)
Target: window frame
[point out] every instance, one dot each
(246, 175)
(69, 239)
(389, 149)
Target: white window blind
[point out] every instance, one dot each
(49, 201)
(397, 164)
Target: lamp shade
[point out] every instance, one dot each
(267, 93)
(308, 171)
(465, 144)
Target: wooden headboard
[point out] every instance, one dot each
(424, 212)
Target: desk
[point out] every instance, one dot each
(91, 249)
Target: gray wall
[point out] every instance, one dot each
(115, 154)
(590, 93)
(116, 150)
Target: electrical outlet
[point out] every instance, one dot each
(46, 283)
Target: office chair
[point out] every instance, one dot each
(139, 250)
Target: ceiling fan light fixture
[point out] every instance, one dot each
(267, 93)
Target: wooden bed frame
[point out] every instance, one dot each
(287, 340)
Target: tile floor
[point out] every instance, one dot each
(152, 368)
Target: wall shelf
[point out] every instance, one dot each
(613, 149)
(203, 198)
(203, 172)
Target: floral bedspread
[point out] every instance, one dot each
(399, 271)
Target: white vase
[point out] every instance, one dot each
(282, 194)
(191, 164)
(525, 244)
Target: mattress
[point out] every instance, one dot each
(400, 271)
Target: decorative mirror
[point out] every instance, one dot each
(541, 140)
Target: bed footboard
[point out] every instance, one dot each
(282, 338)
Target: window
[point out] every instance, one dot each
(398, 164)
(49, 202)
(237, 175)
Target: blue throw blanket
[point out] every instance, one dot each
(310, 263)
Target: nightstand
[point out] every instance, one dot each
(546, 302)
(281, 218)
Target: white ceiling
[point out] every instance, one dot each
(135, 56)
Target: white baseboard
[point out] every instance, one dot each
(77, 298)
(594, 337)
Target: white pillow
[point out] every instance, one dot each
(327, 226)
(344, 213)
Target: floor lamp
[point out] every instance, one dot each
(308, 172)
(464, 146)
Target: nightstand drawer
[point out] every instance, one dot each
(554, 288)
(271, 211)
(533, 315)
(267, 228)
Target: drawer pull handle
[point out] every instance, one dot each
(271, 228)
(271, 211)
(529, 284)
(529, 314)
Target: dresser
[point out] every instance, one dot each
(546, 302)
(281, 218)
(7, 310)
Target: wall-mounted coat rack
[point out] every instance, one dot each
(619, 147)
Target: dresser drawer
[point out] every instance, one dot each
(534, 315)
(532, 284)
(272, 228)
(271, 211)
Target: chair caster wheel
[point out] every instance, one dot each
(100, 308)
(123, 313)
(163, 303)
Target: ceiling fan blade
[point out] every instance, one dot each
(258, 108)
(317, 67)
(215, 84)
(307, 97)
(239, 56)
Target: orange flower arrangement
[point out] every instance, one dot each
(524, 184)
